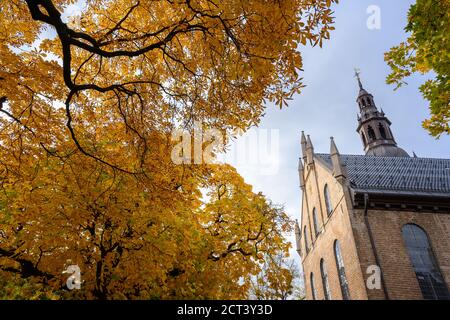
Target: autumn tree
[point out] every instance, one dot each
(279, 279)
(153, 64)
(88, 103)
(426, 51)
(133, 240)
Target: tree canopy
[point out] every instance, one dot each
(88, 102)
(427, 50)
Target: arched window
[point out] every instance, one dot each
(316, 222)
(421, 254)
(371, 133)
(363, 137)
(305, 235)
(363, 102)
(313, 286)
(382, 131)
(368, 101)
(328, 204)
(326, 286)
(341, 271)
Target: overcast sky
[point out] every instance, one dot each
(327, 106)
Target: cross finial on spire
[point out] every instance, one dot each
(357, 75)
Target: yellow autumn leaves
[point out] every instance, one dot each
(87, 112)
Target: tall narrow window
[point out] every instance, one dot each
(316, 222)
(431, 282)
(382, 131)
(328, 205)
(313, 286)
(371, 133)
(326, 286)
(305, 235)
(341, 271)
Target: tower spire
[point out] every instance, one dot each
(358, 76)
(374, 126)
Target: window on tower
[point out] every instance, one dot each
(371, 133)
(341, 271)
(326, 286)
(382, 131)
(328, 205)
(431, 281)
(316, 222)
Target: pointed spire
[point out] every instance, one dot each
(301, 174)
(300, 164)
(374, 126)
(303, 137)
(357, 75)
(309, 144)
(414, 155)
(333, 149)
(303, 143)
(309, 151)
(339, 170)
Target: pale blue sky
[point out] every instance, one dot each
(327, 105)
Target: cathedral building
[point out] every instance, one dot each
(374, 226)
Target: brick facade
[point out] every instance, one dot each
(373, 197)
(337, 226)
(386, 225)
(347, 223)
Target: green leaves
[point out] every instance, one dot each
(426, 50)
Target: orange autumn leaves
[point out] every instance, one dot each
(135, 239)
(88, 103)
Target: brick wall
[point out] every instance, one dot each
(401, 282)
(349, 227)
(337, 226)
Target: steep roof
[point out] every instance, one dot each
(402, 175)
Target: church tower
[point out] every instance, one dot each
(373, 226)
(374, 127)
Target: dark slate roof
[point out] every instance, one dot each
(399, 174)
